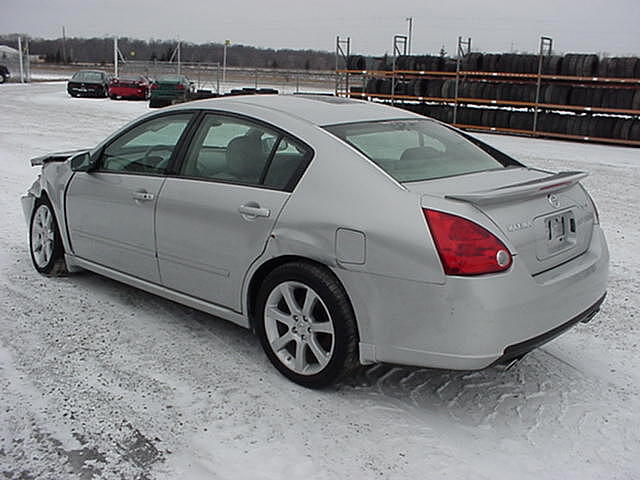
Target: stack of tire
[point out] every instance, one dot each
(571, 64)
(590, 126)
(552, 94)
(425, 63)
(578, 125)
(556, 94)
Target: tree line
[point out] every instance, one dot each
(100, 50)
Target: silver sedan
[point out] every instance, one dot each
(341, 232)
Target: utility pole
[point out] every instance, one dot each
(21, 59)
(64, 46)
(224, 60)
(179, 57)
(410, 22)
(115, 57)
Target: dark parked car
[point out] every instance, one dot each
(89, 83)
(129, 86)
(4, 74)
(170, 89)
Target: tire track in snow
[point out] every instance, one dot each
(530, 401)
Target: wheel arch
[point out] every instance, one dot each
(258, 276)
(52, 187)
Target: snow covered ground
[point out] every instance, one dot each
(102, 381)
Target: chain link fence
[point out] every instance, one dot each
(211, 77)
(19, 66)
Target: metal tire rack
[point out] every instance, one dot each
(536, 107)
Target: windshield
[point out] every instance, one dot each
(415, 150)
(88, 76)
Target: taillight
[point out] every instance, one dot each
(466, 248)
(154, 86)
(180, 87)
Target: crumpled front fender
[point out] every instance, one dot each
(28, 200)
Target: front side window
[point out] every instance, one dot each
(416, 150)
(239, 151)
(146, 148)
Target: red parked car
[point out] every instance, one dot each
(129, 86)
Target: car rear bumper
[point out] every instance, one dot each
(470, 323)
(168, 96)
(518, 350)
(86, 91)
(128, 92)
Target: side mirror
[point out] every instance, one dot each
(83, 163)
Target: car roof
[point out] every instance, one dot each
(320, 110)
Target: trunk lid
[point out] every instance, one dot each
(168, 86)
(547, 218)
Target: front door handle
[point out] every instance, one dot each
(142, 196)
(253, 210)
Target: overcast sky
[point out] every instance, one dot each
(597, 26)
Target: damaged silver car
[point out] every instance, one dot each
(342, 232)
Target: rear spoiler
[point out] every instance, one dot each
(531, 188)
(55, 157)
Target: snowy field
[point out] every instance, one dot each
(102, 381)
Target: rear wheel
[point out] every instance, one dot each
(306, 324)
(47, 252)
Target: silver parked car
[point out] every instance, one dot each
(340, 231)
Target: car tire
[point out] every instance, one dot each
(3, 79)
(45, 243)
(306, 324)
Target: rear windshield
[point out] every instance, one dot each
(415, 150)
(88, 76)
(131, 78)
(170, 78)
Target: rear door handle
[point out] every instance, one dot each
(253, 210)
(142, 196)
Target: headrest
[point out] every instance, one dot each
(419, 153)
(245, 159)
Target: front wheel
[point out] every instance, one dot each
(306, 324)
(47, 252)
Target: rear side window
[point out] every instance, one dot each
(88, 76)
(416, 150)
(235, 150)
(289, 159)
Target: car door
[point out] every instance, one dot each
(214, 218)
(110, 210)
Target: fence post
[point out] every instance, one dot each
(21, 59)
